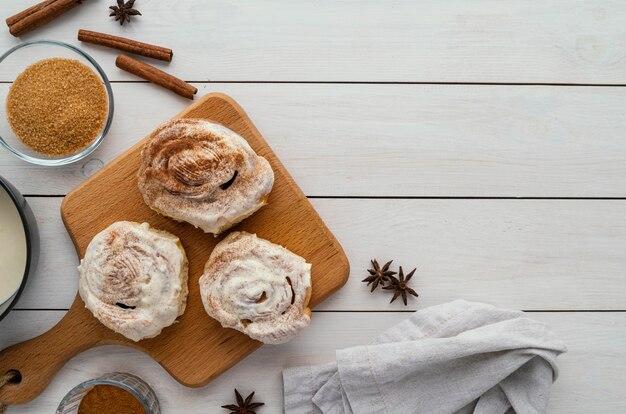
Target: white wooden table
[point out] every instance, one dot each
(482, 141)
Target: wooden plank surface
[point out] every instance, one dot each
(525, 254)
(398, 140)
(570, 41)
(382, 140)
(590, 379)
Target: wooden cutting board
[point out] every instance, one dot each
(197, 349)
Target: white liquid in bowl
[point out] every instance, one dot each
(12, 247)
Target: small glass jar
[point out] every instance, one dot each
(131, 383)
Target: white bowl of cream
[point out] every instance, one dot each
(19, 245)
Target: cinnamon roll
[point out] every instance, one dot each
(257, 287)
(134, 279)
(203, 173)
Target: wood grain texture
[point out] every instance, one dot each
(387, 140)
(579, 41)
(197, 349)
(398, 140)
(591, 377)
(525, 254)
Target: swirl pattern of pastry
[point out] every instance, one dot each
(257, 287)
(134, 279)
(203, 173)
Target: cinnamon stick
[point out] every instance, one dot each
(154, 75)
(38, 15)
(127, 45)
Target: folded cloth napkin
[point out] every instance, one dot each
(459, 357)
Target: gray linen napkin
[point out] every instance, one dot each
(459, 357)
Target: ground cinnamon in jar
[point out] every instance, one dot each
(57, 106)
(109, 399)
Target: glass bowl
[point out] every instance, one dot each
(131, 383)
(14, 62)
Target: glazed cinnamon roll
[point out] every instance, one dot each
(257, 287)
(134, 279)
(203, 173)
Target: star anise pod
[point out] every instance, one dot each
(400, 286)
(243, 407)
(123, 11)
(378, 275)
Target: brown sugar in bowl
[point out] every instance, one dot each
(60, 105)
(57, 106)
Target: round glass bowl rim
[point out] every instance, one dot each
(105, 380)
(98, 140)
(15, 296)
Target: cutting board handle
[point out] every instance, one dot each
(39, 359)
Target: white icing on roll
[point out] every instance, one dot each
(204, 174)
(257, 287)
(134, 279)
